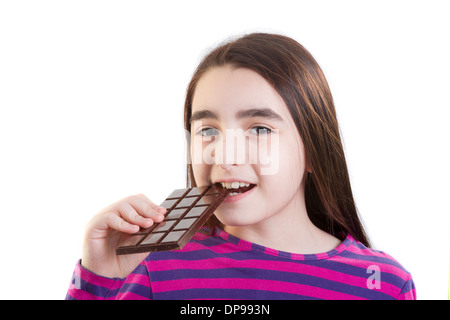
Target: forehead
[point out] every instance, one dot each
(226, 90)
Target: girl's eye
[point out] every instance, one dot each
(259, 130)
(206, 132)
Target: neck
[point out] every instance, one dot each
(288, 230)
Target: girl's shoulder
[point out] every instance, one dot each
(381, 269)
(359, 253)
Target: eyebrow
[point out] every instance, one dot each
(203, 114)
(259, 113)
(247, 113)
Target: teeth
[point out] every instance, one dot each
(234, 185)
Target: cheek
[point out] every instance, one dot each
(265, 151)
(293, 161)
(201, 174)
(282, 157)
(197, 161)
(290, 169)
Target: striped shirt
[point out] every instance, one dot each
(225, 267)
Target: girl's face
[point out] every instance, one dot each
(242, 132)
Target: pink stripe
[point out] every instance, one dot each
(200, 236)
(141, 279)
(271, 251)
(217, 263)
(244, 244)
(250, 284)
(216, 299)
(320, 256)
(224, 235)
(193, 246)
(130, 296)
(82, 295)
(224, 248)
(410, 295)
(220, 248)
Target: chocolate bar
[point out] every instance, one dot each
(187, 211)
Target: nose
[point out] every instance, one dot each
(230, 150)
(227, 167)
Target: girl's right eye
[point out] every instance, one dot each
(207, 132)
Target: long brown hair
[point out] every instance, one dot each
(298, 79)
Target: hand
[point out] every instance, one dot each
(113, 227)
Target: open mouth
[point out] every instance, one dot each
(237, 187)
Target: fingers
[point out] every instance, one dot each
(147, 208)
(115, 222)
(134, 212)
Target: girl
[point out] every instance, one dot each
(294, 235)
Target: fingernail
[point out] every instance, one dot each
(148, 222)
(162, 210)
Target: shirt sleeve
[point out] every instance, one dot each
(408, 291)
(86, 285)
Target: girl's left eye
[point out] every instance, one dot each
(260, 130)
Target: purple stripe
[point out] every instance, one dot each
(228, 294)
(137, 289)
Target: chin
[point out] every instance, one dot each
(236, 219)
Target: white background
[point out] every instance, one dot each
(92, 93)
